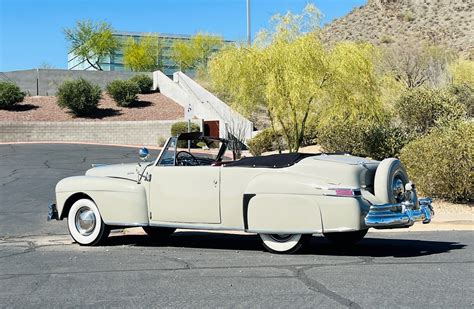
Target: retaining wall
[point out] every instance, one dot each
(47, 81)
(103, 132)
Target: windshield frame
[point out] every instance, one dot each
(175, 139)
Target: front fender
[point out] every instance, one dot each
(120, 201)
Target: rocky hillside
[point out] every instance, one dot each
(446, 22)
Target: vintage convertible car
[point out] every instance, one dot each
(285, 198)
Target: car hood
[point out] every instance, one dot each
(124, 170)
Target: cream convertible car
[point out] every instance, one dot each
(285, 198)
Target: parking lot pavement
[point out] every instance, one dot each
(195, 269)
(41, 267)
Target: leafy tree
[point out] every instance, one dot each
(183, 55)
(463, 72)
(294, 77)
(142, 55)
(417, 64)
(196, 52)
(205, 45)
(92, 41)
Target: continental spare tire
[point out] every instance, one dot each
(390, 180)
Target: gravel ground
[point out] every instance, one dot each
(153, 106)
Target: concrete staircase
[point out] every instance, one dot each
(202, 104)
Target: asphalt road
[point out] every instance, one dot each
(41, 267)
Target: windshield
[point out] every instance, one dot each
(167, 155)
(199, 153)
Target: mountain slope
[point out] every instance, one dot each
(445, 22)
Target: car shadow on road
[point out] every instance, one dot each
(368, 247)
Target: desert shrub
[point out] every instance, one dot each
(161, 141)
(386, 141)
(10, 94)
(441, 162)
(377, 140)
(144, 82)
(422, 108)
(124, 92)
(464, 94)
(265, 140)
(182, 127)
(79, 96)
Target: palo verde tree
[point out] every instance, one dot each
(144, 54)
(196, 52)
(294, 77)
(92, 41)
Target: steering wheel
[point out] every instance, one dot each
(186, 161)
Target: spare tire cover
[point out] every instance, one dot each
(390, 180)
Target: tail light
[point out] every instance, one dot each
(345, 192)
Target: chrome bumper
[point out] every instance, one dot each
(52, 212)
(405, 214)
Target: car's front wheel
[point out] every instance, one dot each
(85, 223)
(345, 238)
(284, 243)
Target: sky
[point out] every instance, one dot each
(32, 31)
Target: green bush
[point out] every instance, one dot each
(144, 82)
(420, 109)
(124, 92)
(377, 140)
(265, 140)
(441, 163)
(182, 127)
(10, 94)
(464, 94)
(386, 141)
(80, 96)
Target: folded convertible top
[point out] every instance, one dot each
(271, 161)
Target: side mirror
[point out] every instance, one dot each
(143, 153)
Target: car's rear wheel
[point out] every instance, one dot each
(345, 238)
(85, 223)
(158, 232)
(284, 243)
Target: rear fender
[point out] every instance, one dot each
(282, 202)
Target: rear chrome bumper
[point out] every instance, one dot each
(52, 212)
(405, 214)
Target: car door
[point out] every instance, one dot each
(186, 194)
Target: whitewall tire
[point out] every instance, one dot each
(85, 223)
(284, 243)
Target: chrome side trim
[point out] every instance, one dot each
(127, 224)
(405, 214)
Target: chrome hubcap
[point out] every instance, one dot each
(398, 188)
(85, 221)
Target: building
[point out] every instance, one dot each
(115, 62)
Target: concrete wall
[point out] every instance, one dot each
(104, 132)
(46, 81)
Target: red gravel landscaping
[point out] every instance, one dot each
(153, 106)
